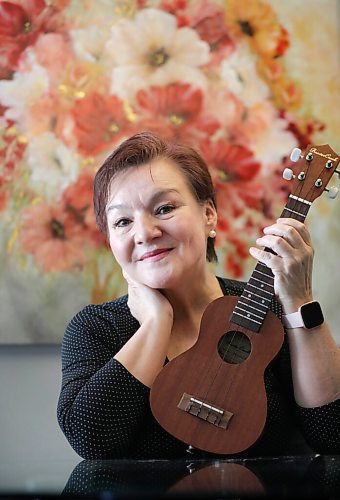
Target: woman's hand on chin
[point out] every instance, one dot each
(147, 304)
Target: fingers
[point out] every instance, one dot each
(285, 236)
(291, 230)
(289, 241)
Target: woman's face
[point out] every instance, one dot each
(158, 231)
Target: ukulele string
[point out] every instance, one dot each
(205, 398)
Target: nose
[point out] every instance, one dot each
(146, 229)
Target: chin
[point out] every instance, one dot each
(159, 282)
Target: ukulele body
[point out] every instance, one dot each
(215, 405)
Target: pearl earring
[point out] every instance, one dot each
(212, 233)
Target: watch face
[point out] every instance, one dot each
(312, 315)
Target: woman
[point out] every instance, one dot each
(155, 201)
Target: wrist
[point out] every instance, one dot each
(292, 306)
(308, 316)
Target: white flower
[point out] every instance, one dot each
(89, 43)
(26, 88)
(240, 74)
(151, 50)
(53, 165)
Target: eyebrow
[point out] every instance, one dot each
(157, 196)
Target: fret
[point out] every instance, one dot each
(256, 288)
(250, 314)
(266, 287)
(248, 317)
(247, 304)
(271, 277)
(303, 216)
(247, 323)
(296, 208)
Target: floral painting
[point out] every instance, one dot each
(244, 82)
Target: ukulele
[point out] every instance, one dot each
(213, 396)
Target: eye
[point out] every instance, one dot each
(121, 223)
(165, 209)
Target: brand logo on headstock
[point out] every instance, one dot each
(328, 155)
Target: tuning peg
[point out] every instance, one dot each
(288, 174)
(296, 155)
(332, 192)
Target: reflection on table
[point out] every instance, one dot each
(270, 477)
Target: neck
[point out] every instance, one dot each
(190, 300)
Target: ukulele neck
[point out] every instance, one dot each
(254, 303)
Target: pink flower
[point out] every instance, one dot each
(53, 237)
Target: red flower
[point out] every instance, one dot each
(210, 24)
(175, 112)
(53, 237)
(99, 121)
(20, 25)
(78, 200)
(235, 248)
(176, 8)
(234, 171)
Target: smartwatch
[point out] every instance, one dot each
(308, 316)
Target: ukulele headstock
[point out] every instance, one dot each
(312, 172)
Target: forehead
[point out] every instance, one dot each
(158, 174)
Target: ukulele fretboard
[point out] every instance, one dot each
(254, 303)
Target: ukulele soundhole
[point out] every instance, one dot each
(234, 347)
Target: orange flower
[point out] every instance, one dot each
(175, 112)
(257, 21)
(99, 122)
(53, 237)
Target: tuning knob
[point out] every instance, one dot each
(332, 192)
(288, 174)
(295, 155)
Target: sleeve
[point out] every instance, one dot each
(320, 426)
(101, 405)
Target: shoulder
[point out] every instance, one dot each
(107, 311)
(231, 287)
(107, 322)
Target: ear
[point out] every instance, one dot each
(211, 216)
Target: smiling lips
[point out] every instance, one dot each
(155, 255)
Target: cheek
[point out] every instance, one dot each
(118, 249)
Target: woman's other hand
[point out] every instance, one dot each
(292, 262)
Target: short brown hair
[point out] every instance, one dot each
(143, 148)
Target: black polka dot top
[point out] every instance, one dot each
(104, 410)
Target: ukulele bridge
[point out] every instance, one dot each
(204, 410)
